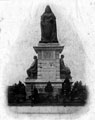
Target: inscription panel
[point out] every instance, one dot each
(49, 71)
(48, 55)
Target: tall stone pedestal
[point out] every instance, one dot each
(48, 62)
(48, 67)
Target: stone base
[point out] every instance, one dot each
(48, 61)
(52, 110)
(40, 85)
(48, 68)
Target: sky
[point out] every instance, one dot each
(20, 31)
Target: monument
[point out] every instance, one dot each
(47, 65)
(49, 80)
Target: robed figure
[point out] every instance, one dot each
(32, 71)
(48, 27)
(64, 70)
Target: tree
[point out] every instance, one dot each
(66, 89)
(79, 92)
(49, 88)
(16, 93)
(35, 96)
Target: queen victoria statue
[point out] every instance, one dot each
(48, 27)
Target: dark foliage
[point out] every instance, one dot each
(49, 88)
(66, 90)
(76, 93)
(35, 96)
(16, 93)
(71, 94)
(79, 92)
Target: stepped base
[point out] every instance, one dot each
(40, 85)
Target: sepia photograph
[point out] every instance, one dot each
(47, 59)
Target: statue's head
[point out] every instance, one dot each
(48, 9)
(35, 57)
(62, 56)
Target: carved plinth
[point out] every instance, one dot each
(48, 67)
(48, 61)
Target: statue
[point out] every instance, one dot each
(48, 27)
(64, 70)
(32, 71)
